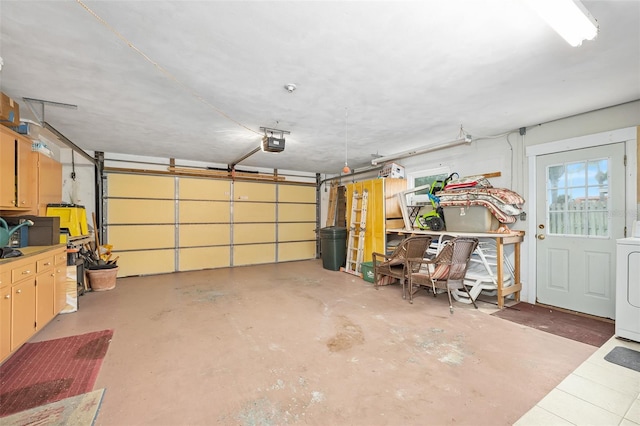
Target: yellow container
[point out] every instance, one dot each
(72, 217)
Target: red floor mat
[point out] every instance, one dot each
(45, 372)
(592, 331)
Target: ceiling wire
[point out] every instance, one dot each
(162, 69)
(346, 135)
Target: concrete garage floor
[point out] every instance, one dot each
(294, 343)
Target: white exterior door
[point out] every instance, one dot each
(580, 214)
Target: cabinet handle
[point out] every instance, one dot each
(19, 291)
(26, 272)
(47, 264)
(8, 296)
(53, 275)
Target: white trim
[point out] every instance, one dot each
(627, 135)
(597, 139)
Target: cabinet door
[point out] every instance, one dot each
(61, 281)
(60, 289)
(5, 322)
(23, 312)
(26, 174)
(49, 183)
(7, 169)
(45, 298)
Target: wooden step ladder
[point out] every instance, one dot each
(357, 229)
(333, 202)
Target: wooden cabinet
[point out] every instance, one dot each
(48, 185)
(45, 291)
(383, 211)
(7, 169)
(60, 282)
(18, 175)
(23, 312)
(29, 288)
(5, 314)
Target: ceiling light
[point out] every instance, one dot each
(569, 18)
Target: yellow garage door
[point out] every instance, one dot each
(159, 224)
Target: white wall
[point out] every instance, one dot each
(81, 190)
(506, 155)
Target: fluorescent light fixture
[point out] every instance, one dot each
(569, 18)
(418, 151)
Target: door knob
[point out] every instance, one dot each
(540, 236)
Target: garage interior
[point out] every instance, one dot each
(209, 143)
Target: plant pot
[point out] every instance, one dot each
(102, 279)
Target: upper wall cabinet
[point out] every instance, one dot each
(18, 172)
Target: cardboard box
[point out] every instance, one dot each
(44, 232)
(9, 111)
(470, 219)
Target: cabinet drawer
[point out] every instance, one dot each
(61, 258)
(23, 271)
(44, 263)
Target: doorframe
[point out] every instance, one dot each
(628, 136)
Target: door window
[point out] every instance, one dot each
(578, 198)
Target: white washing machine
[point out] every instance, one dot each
(628, 288)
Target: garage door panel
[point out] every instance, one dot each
(297, 212)
(204, 211)
(254, 233)
(204, 235)
(254, 254)
(141, 237)
(145, 262)
(296, 251)
(204, 189)
(250, 191)
(296, 231)
(254, 212)
(140, 186)
(297, 194)
(204, 258)
(140, 211)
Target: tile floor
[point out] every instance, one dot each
(296, 344)
(598, 392)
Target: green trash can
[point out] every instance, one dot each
(333, 246)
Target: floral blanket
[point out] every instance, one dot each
(503, 203)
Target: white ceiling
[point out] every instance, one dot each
(196, 80)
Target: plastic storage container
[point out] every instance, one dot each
(470, 219)
(333, 242)
(367, 271)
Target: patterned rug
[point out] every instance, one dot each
(78, 410)
(589, 330)
(45, 372)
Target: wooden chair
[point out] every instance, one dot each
(446, 271)
(388, 268)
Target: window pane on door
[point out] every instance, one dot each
(578, 198)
